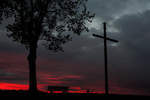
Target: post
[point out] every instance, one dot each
(105, 55)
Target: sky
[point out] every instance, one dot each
(81, 66)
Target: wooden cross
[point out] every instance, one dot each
(105, 56)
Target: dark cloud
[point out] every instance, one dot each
(134, 36)
(107, 9)
(112, 9)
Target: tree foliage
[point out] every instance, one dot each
(46, 20)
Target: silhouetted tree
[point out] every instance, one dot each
(47, 20)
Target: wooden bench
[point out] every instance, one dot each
(63, 89)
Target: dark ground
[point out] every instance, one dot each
(67, 95)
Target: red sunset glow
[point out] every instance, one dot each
(16, 66)
(13, 86)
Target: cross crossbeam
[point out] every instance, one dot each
(95, 35)
(105, 55)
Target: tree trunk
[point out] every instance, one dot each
(32, 68)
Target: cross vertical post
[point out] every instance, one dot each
(105, 56)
